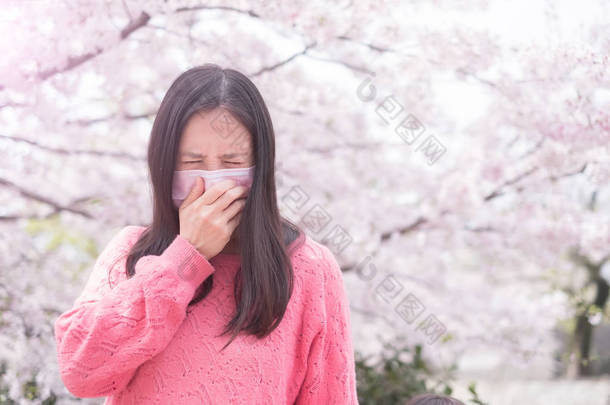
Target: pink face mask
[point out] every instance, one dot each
(185, 179)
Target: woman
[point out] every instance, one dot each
(150, 326)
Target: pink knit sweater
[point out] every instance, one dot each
(134, 342)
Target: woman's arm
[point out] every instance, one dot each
(331, 372)
(110, 332)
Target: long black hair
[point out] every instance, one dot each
(264, 285)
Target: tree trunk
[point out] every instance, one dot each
(579, 364)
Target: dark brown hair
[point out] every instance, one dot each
(265, 237)
(433, 399)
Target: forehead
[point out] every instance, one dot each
(215, 129)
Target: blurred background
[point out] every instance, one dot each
(453, 155)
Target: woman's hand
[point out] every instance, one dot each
(207, 220)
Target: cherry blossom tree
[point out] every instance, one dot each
(453, 155)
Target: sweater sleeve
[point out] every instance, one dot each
(110, 331)
(331, 371)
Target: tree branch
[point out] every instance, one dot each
(342, 63)
(225, 8)
(281, 63)
(129, 117)
(498, 191)
(79, 60)
(37, 197)
(375, 48)
(404, 229)
(348, 145)
(120, 155)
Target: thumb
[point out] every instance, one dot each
(194, 193)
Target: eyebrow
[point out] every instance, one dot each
(199, 155)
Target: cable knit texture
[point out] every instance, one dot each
(136, 341)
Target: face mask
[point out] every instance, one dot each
(185, 179)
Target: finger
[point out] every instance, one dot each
(234, 194)
(234, 222)
(234, 208)
(195, 192)
(214, 192)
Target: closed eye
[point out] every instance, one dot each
(198, 161)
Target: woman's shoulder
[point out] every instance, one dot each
(126, 236)
(309, 249)
(315, 259)
(114, 255)
(319, 280)
(132, 230)
(121, 242)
